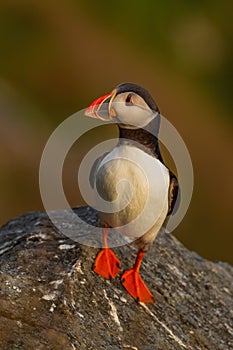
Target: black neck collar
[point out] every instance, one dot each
(142, 139)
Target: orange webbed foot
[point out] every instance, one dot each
(135, 286)
(107, 264)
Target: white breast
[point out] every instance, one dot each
(136, 186)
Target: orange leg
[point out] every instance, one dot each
(134, 284)
(106, 263)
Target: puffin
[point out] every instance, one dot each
(138, 205)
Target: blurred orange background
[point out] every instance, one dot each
(57, 56)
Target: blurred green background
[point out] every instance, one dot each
(57, 56)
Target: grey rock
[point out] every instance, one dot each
(51, 299)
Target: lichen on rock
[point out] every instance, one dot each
(51, 299)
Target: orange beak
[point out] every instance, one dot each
(101, 107)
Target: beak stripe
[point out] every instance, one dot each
(93, 107)
(111, 110)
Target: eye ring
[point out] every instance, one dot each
(129, 99)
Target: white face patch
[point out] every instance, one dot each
(131, 109)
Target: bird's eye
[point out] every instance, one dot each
(129, 99)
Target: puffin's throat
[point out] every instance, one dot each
(140, 138)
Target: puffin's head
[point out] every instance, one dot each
(130, 105)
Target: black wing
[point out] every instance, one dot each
(173, 194)
(94, 169)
